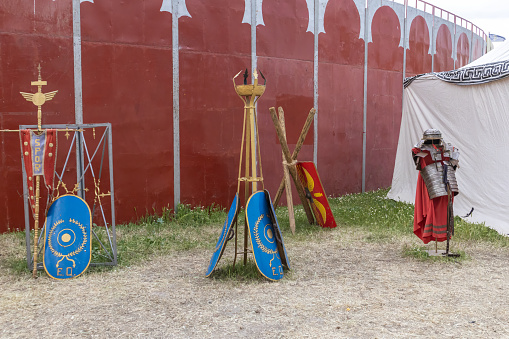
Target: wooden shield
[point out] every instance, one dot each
(67, 244)
(279, 237)
(224, 237)
(263, 236)
(308, 175)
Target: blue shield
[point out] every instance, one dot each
(263, 236)
(67, 244)
(223, 238)
(279, 237)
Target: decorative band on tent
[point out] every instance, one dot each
(471, 75)
(477, 74)
(409, 80)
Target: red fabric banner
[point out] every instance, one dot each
(39, 155)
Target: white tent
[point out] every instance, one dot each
(470, 106)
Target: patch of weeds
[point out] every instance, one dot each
(239, 272)
(377, 237)
(421, 253)
(466, 231)
(17, 265)
(198, 216)
(159, 235)
(374, 212)
(303, 229)
(417, 252)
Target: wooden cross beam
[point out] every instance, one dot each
(298, 146)
(291, 159)
(286, 177)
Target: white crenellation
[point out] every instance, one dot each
(181, 10)
(259, 12)
(322, 4)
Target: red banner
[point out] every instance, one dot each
(314, 189)
(39, 154)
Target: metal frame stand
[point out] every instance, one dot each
(107, 247)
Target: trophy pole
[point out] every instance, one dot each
(249, 94)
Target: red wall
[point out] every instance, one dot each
(127, 72)
(285, 56)
(127, 81)
(385, 86)
(27, 39)
(340, 100)
(215, 45)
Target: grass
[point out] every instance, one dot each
(370, 215)
(239, 272)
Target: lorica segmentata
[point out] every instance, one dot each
(433, 176)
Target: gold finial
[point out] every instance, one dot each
(39, 98)
(252, 90)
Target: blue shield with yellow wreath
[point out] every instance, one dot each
(264, 244)
(225, 235)
(279, 237)
(67, 244)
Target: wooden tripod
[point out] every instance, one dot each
(289, 162)
(249, 94)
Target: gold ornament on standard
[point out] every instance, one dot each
(39, 98)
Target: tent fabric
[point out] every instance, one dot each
(473, 118)
(501, 53)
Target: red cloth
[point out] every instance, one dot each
(430, 215)
(32, 157)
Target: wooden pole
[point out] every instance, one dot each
(36, 224)
(289, 199)
(296, 151)
(246, 183)
(291, 168)
(253, 146)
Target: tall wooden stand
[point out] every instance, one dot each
(289, 161)
(252, 174)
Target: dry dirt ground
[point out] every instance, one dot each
(337, 288)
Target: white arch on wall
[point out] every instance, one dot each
(413, 13)
(450, 25)
(361, 8)
(399, 9)
(460, 30)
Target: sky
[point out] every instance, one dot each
(492, 16)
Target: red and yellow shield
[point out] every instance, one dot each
(315, 193)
